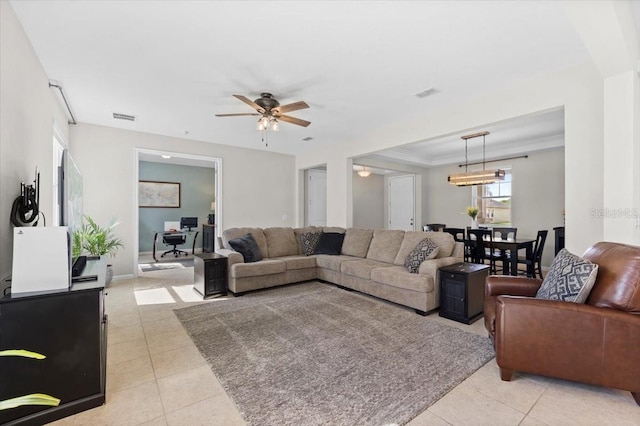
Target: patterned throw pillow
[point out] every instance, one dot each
(570, 278)
(309, 242)
(425, 249)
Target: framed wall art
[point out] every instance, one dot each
(158, 194)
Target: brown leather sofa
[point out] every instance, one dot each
(597, 342)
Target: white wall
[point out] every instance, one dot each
(368, 201)
(578, 90)
(28, 112)
(257, 186)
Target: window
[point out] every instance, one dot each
(494, 202)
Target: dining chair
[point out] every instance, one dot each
(534, 263)
(504, 232)
(434, 227)
(500, 232)
(459, 235)
(480, 242)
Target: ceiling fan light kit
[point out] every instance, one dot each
(270, 112)
(481, 177)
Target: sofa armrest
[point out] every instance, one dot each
(233, 257)
(568, 340)
(496, 285)
(431, 266)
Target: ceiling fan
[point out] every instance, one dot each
(270, 111)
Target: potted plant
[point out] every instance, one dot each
(95, 240)
(472, 212)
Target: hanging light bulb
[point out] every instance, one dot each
(274, 125)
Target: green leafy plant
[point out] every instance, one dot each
(96, 240)
(472, 212)
(34, 398)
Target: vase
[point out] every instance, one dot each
(474, 224)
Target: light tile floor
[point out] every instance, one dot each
(156, 376)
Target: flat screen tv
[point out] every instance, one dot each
(188, 222)
(70, 196)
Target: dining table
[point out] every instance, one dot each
(512, 246)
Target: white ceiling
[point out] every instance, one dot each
(174, 64)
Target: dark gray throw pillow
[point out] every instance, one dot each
(330, 243)
(247, 247)
(309, 241)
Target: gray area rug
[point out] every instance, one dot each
(314, 354)
(163, 265)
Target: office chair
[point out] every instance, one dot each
(174, 240)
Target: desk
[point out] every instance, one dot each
(510, 267)
(182, 232)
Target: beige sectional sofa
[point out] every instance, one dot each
(371, 262)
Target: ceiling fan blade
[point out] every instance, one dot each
(292, 107)
(250, 103)
(237, 115)
(292, 120)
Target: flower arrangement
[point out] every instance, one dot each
(472, 212)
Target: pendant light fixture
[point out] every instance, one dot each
(481, 177)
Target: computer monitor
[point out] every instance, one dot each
(188, 222)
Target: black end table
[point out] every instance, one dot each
(210, 274)
(462, 291)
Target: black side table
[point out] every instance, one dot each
(210, 274)
(462, 291)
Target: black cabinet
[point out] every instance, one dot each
(210, 274)
(69, 329)
(208, 238)
(462, 291)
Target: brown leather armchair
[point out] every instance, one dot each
(597, 342)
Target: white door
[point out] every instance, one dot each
(317, 199)
(402, 202)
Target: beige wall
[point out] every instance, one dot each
(368, 201)
(28, 112)
(257, 186)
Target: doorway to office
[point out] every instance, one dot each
(174, 189)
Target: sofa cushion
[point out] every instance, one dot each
(309, 241)
(425, 249)
(264, 267)
(335, 229)
(258, 235)
(361, 268)
(385, 245)
(356, 242)
(570, 278)
(398, 276)
(280, 242)
(332, 262)
(330, 243)
(247, 247)
(298, 262)
(409, 242)
(444, 241)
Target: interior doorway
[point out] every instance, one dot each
(199, 199)
(316, 198)
(402, 205)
